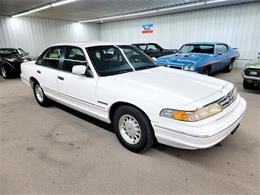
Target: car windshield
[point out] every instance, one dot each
(197, 48)
(22, 51)
(8, 51)
(111, 60)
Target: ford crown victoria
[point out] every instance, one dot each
(119, 84)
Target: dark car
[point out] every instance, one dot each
(154, 50)
(11, 60)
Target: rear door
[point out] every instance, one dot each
(77, 90)
(47, 68)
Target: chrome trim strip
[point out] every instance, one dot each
(250, 77)
(75, 99)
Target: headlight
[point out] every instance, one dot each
(192, 68)
(186, 67)
(191, 116)
(189, 68)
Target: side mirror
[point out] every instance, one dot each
(79, 70)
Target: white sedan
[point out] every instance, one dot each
(119, 84)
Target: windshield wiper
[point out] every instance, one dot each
(146, 67)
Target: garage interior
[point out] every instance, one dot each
(59, 150)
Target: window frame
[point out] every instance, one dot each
(70, 60)
(46, 52)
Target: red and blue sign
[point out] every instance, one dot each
(147, 28)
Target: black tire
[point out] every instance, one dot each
(247, 85)
(44, 102)
(229, 67)
(4, 71)
(205, 70)
(146, 136)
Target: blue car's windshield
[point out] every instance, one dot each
(197, 48)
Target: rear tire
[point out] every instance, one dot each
(247, 85)
(39, 95)
(133, 129)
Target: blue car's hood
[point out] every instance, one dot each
(183, 59)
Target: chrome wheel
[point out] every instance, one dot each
(129, 129)
(39, 93)
(3, 71)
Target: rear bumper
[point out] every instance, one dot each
(221, 127)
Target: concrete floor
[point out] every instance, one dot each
(57, 150)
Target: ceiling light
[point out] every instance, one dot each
(118, 16)
(61, 3)
(32, 11)
(55, 4)
(142, 13)
(215, 1)
(181, 6)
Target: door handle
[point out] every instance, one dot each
(61, 78)
(39, 72)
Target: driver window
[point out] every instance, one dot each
(73, 56)
(152, 49)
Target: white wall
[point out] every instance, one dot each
(35, 34)
(237, 25)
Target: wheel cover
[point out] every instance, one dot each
(39, 93)
(129, 129)
(3, 71)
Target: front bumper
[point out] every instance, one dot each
(203, 134)
(249, 77)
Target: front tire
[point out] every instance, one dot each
(39, 95)
(205, 70)
(4, 72)
(230, 66)
(133, 129)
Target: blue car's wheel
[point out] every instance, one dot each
(229, 67)
(205, 70)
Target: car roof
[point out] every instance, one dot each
(143, 43)
(212, 43)
(89, 44)
(6, 48)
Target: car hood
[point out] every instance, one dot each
(171, 86)
(253, 64)
(182, 58)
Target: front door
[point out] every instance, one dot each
(78, 91)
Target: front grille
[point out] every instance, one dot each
(252, 72)
(227, 100)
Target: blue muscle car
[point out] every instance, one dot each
(205, 58)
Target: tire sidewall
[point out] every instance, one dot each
(2, 66)
(45, 101)
(146, 139)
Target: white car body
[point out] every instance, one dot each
(151, 91)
